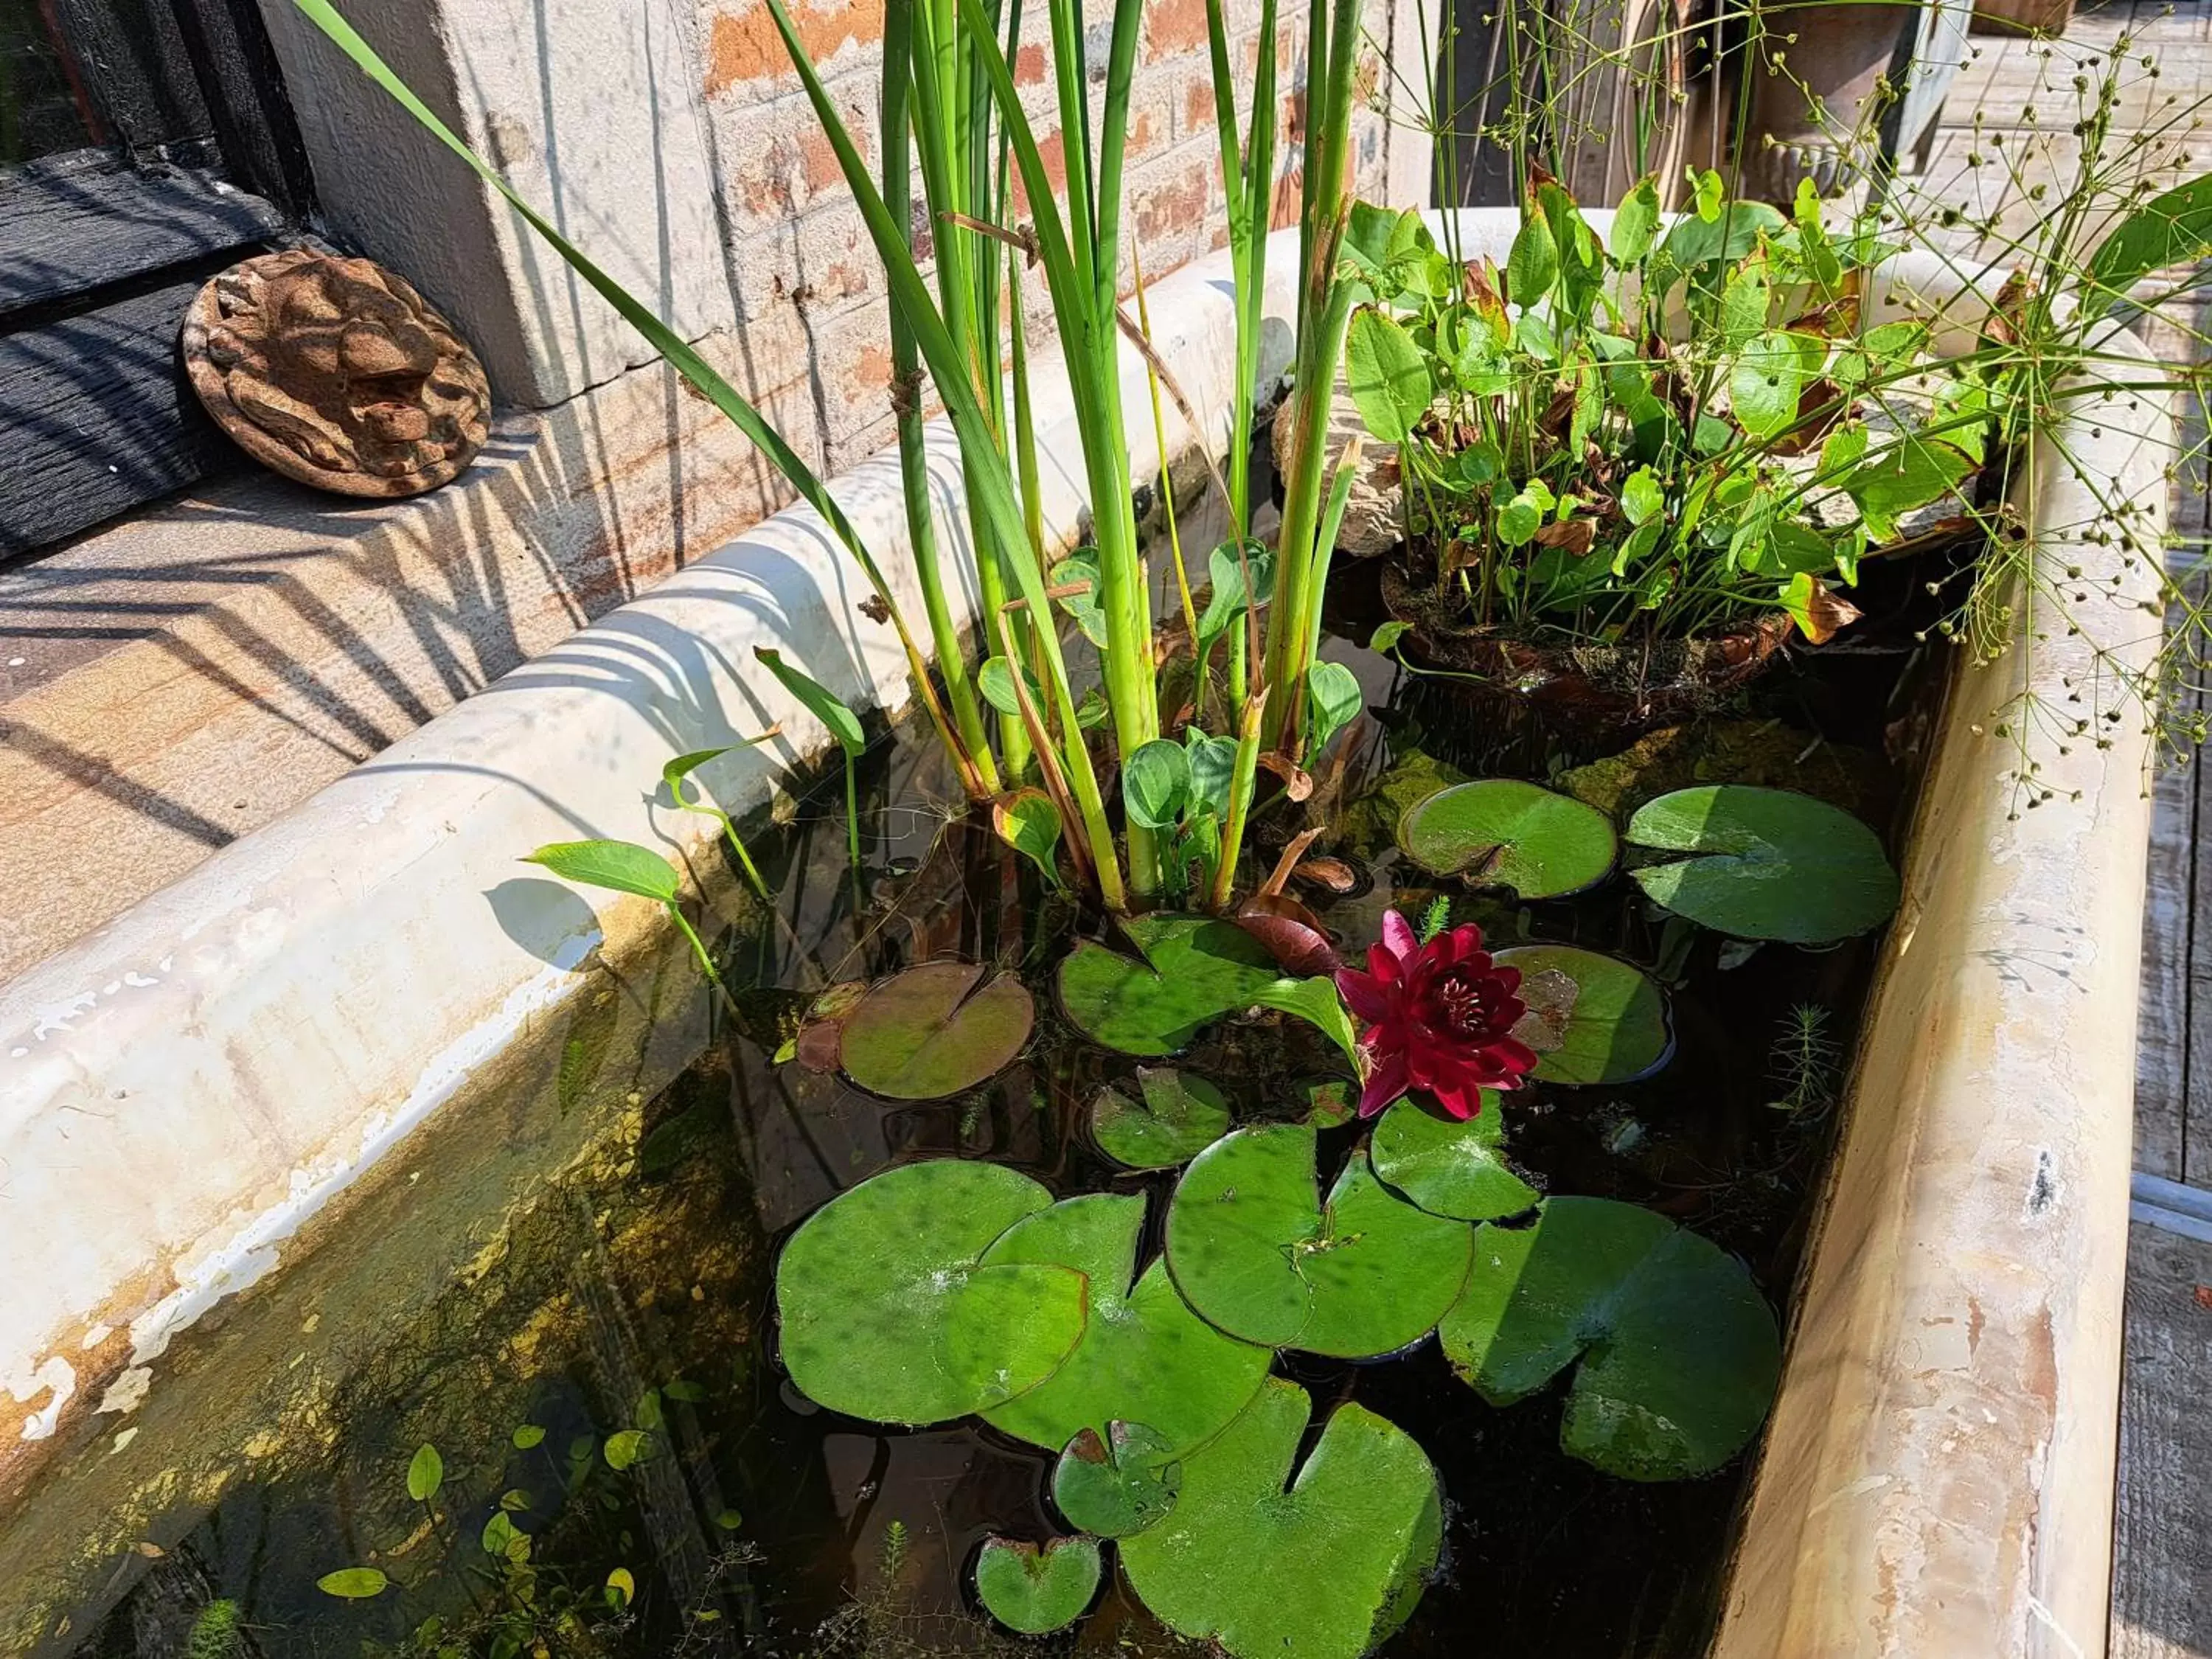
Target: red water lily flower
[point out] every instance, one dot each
(1440, 1018)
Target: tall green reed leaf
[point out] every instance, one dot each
(680, 354)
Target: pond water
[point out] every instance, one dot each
(620, 1313)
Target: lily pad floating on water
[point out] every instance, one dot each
(1678, 1352)
(1035, 1589)
(935, 1030)
(1603, 1020)
(1118, 1486)
(1178, 1117)
(1325, 1566)
(1191, 971)
(888, 1314)
(1450, 1168)
(1764, 864)
(1254, 1249)
(1144, 1357)
(1501, 832)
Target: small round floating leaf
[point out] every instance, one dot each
(620, 866)
(1034, 1590)
(1615, 1026)
(1144, 1357)
(1191, 971)
(1255, 1250)
(930, 1031)
(527, 1438)
(1678, 1353)
(1501, 832)
(1449, 1168)
(353, 1584)
(1118, 1486)
(426, 1473)
(1323, 1567)
(1178, 1117)
(626, 1448)
(621, 1589)
(1764, 864)
(865, 1292)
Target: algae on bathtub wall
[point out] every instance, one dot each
(473, 1263)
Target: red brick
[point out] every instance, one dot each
(1173, 27)
(744, 45)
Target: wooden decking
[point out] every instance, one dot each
(2007, 127)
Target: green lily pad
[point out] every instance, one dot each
(887, 1313)
(1501, 832)
(1144, 1357)
(1679, 1354)
(1117, 1487)
(930, 1031)
(1325, 1566)
(1448, 1167)
(1603, 1020)
(1331, 1102)
(1178, 1118)
(1034, 1590)
(1254, 1250)
(1193, 971)
(1765, 864)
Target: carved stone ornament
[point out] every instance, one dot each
(336, 373)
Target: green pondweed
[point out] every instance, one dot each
(676, 776)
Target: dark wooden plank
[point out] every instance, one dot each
(244, 85)
(88, 220)
(2162, 1528)
(96, 417)
(131, 55)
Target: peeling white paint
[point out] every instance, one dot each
(128, 1392)
(55, 1373)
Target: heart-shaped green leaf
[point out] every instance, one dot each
(1764, 864)
(886, 1313)
(1034, 1590)
(1118, 1486)
(1325, 1566)
(1028, 822)
(1178, 1117)
(1601, 1020)
(1254, 1249)
(1501, 832)
(1156, 784)
(620, 866)
(1387, 374)
(1449, 1168)
(930, 1031)
(1678, 1350)
(426, 1473)
(818, 699)
(1144, 1357)
(1192, 970)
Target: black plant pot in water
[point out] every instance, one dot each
(1583, 692)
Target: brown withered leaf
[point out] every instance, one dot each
(1332, 874)
(2003, 323)
(873, 608)
(1825, 614)
(1550, 996)
(1574, 536)
(1558, 414)
(1833, 321)
(1292, 934)
(1298, 782)
(1820, 406)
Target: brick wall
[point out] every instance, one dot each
(810, 292)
